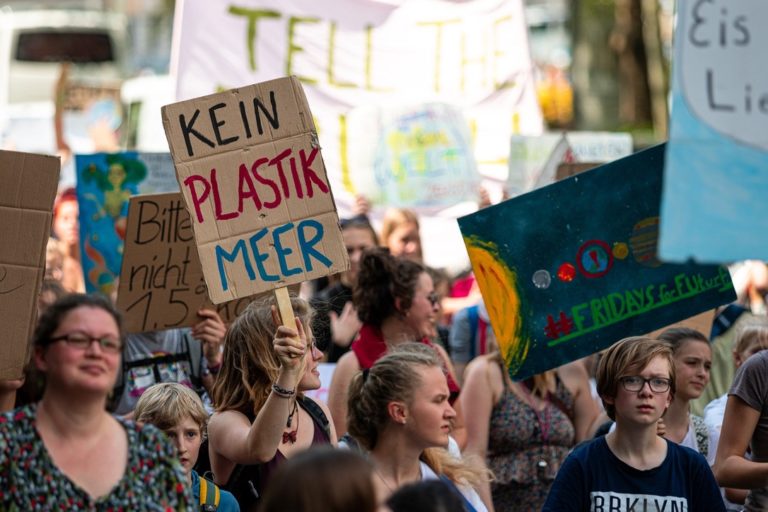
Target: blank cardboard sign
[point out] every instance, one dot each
(26, 206)
(249, 166)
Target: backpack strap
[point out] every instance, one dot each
(473, 316)
(194, 349)
(317, 413)
(210, 495)
(702, 434)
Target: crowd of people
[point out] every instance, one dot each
(421, 415)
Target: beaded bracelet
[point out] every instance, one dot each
(282, 392)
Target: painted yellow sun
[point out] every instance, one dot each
(498, 284)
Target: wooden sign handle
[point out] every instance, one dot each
(284, 307)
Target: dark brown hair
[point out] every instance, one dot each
(50, 320)
(677, 335)
(322, 478)
(382, 280)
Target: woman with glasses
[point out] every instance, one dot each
(261, 416)
(396, 301)
(632, 468)
(67, 451)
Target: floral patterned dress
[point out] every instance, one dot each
(29, 480)
(526, 448)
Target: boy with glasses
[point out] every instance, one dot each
(632, 468)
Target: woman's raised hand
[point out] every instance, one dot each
(290, 344)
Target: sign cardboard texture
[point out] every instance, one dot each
(249, 166)
(569, 269)
(161, 282)
(26, 205)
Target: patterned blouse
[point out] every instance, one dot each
(29, 480)
(526, 448)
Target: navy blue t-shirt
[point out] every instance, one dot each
(593, 479)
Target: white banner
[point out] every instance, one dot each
(358, 55)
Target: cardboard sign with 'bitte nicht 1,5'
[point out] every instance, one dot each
(249, 166)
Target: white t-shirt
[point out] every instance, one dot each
(469, 493)
(714, 413)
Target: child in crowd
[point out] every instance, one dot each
(179, 413)
(632, 468)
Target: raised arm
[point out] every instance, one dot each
(230, 432)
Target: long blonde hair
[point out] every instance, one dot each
(250, 364)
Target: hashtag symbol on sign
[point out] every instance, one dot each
(554, 329)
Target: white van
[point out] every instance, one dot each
(33, 43)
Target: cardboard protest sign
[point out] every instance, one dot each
(26, 208)
(716, 177)
(571, 268)
(249, 165)
(105, 182)
(161, 282)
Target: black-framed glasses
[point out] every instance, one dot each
(635, 383)
(433, 299)
(82, 341)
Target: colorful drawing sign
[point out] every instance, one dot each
(571, 268)
(413, 157)
(473, 56)
(253, 179)
(105, 182)
(716, 178)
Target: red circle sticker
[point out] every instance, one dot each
(594, 258)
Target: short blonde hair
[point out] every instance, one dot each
(167, 404)
(628, 357)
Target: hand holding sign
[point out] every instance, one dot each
(290, 344)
